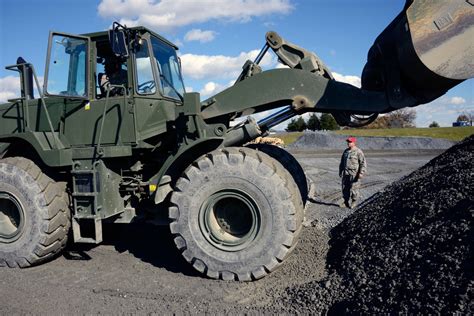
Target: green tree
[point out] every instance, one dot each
(300, 124)
(296, 125)
(401, 118)
(291, 127)
(462, 118)
(313, 123)
(466, 116)
(434, 124)
(328, 122)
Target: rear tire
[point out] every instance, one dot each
(34, 214)
(235, 215)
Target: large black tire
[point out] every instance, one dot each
(34, 214)
(235, 214)
(288, 161)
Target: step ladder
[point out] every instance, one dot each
(86, 222)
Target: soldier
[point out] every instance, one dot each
(351, 169)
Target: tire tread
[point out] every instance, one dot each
(240, 156)
(56, 213)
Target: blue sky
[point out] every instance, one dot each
(217, 36)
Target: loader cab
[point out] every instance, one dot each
(145, 65)
(130, 78)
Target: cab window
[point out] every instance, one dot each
(145, 81)
(171, 82)
(67, 67)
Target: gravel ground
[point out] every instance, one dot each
(408, 249)
(138, 270)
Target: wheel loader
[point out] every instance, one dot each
(113, 137)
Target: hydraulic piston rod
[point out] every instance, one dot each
(278, 117)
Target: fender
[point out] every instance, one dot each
(41, 144)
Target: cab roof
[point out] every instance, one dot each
(140, 29)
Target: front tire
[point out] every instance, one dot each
(34, 214)
(289, 162)
(235, 215)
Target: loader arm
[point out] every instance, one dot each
(303, 90)
(425, 51)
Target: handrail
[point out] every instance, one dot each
(25, 101)
(24, 105)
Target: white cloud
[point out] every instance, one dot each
(353, 80)
(219, 66)
(443, 110)
(167, 14)
(269, 25)
(211, 88)
(9, 88)
(457, 100)
(281, 66)
(200, 36)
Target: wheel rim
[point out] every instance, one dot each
(11, 217)
(230, 220)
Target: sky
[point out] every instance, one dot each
(216, 37)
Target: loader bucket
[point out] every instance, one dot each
(425, 51)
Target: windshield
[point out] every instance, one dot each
(168, 65)
(67, 66)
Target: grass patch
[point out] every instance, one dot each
(451, 133)
(288, 138)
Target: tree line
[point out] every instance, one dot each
(397, 119)
(314, 123)
(401, 118)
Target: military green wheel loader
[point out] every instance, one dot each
(113, 137)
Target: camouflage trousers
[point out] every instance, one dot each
(350, 189)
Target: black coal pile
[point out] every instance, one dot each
(407, 249)
(329, 141)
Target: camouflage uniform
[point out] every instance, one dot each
(351, 167)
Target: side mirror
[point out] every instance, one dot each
(118, 43)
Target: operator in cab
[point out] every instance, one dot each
(114, 75)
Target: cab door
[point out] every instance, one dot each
(66, 84)
(70, 85)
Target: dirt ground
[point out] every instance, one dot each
(138, 269)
